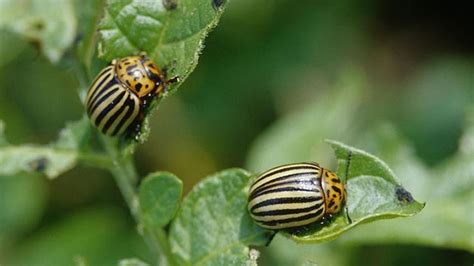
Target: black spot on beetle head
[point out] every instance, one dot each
(138, 86)
(403, 195)
(217, 4)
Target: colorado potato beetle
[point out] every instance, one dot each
(121, 91)
(295, 195)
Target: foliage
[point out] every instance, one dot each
(211, 225)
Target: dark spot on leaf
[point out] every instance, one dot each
(170, 4)
(39, 165)
(403, 195)
(217, 4)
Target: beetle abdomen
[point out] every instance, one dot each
(111, 107)
(287, 196)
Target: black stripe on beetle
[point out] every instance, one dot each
(288, 211)
(293, 219)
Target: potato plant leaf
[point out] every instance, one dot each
(443, 223)
(213, 226)
(160, 195)
(171, 32)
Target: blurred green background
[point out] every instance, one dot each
(275, 79)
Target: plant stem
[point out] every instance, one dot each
(95, 159)
(126, 176)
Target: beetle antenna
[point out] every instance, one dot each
(349, 220)
(349, 158)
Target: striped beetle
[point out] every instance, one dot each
(121, 92)
(295, 195)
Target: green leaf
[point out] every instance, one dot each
(373, 191)
(171, 35)
(213, 226)
(160, 195)
(51, 160)
(448, 188)
(132, 262)
(33, 158)
(50, 24)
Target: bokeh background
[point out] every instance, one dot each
(275, 79)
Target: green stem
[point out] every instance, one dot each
(162, 238)
(95, 159)
(126, 176)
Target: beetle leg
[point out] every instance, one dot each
(271, 238)
(349, 157)
(349, 220)
(173, 80)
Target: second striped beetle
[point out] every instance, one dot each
(296, 195)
